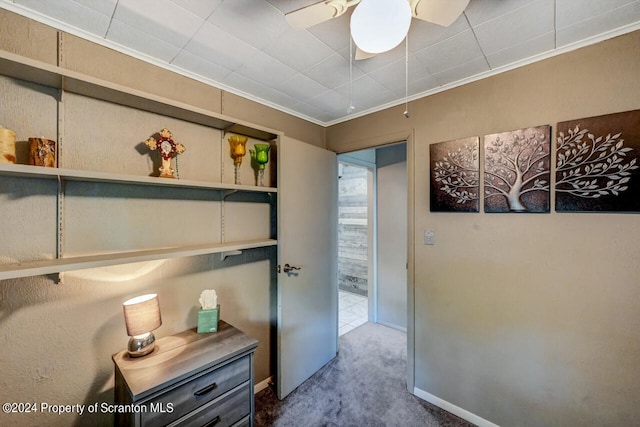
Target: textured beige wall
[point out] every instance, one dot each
(29, 38)
(524, 319)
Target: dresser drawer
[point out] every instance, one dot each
(195, 393)
(224, 412)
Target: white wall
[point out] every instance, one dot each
(391, 167)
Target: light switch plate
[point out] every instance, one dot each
(429, 237)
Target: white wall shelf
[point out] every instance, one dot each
(26, 171)
(51, 266)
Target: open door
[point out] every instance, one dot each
(307, 259)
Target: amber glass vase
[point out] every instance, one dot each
(238, 150)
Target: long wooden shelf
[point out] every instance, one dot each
(26, 171)
(40, 267)
(38, 72)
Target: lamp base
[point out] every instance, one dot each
(141, 345)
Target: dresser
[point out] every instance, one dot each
(189, 379)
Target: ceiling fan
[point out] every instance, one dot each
(378, 25)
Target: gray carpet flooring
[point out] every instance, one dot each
(365, 385)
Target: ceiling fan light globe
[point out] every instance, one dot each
(380, 25)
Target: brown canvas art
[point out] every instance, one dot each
(455, 175)
(597, 164)
(517, 170)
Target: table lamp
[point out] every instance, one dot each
(141, 316)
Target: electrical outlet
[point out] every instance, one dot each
(429, 237)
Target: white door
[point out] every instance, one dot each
(307, 240)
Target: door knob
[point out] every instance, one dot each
(289, 268)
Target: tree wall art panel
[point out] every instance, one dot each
(455, 175)
(597, 164)
(517, 170)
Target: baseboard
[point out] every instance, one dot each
(262, 385)
(455, 410)
(392, 326)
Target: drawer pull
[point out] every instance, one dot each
(206, 390)
(213, 422)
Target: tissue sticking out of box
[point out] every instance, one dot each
(208, 299)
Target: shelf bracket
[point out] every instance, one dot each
(58, 278)
(225, 194)
(228, 193)
(227, 254)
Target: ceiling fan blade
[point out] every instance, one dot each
(361, 54)
(317, 13)
(441, 12)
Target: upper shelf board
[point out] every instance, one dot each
(22, 68)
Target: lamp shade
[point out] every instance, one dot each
(380, 25)
(142, 314)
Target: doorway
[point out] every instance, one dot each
(372, 236)
(354, 230)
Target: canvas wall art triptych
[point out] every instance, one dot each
(596, 168)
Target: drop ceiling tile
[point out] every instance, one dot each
(298, 49)
(529, 48)
(105, 7)
(570, 12)
(600, 22)
(200, 66)
(462, 71)
(479, 11)
(237, 16)
(330, 100)
(367, 93)
(313, 111)
(422, 83)
(334, 32)
(266, 70)
(286, 6)
(123, 34)
(77, 15)
(219, 47)
(161, 19)
(332, 72)
(254, 89)
(423, 34)
(379, 61)
(449, 53)
(516, 27)
(300, 87)
(200, 8)
(393, 76)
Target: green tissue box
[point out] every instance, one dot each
(208, 320)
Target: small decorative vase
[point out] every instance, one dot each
(7, 146)
(238, 150)
(260, 155)
(168, 149)
(42, 152)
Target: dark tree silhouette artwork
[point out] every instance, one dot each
(455, 175)
(597, 163)
(517, 170)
